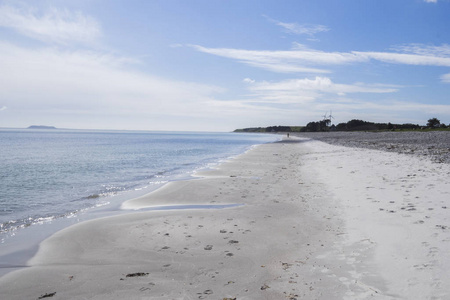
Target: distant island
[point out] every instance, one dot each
(41, 127)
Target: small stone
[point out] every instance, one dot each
(140, 274)
(48, 295)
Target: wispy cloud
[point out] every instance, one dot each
(305, 60)
(295, 61)
(310, 30)
(54, 25)
(2, 108)
(307, 90)
(405, 58)
(446, 78)
(325, 84)
(430, 1)
(300, 29)
(426, 50)
(91, 83)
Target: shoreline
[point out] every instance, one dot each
(116, 163)
(205, 251)
(318, 221)
(20, 244)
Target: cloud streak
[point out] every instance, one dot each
(406, 59)
(295, 61)
(300, 29)
(53, 26)
(426, 50)
(445, 78)
(306, 60)
(310, 30)
(308, 90)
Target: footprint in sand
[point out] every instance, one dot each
(202, 295)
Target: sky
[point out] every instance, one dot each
(210, 65)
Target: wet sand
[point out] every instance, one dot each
(302, 220)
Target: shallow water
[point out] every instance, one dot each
(47, 174)
(19, 247)
(191, 206)
(52, 179)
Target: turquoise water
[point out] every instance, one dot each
(50, 174)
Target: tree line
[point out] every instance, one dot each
(352, 125)
(271, 129)
(360, 125)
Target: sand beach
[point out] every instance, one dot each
(296, 219)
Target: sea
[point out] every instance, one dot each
(52, 178)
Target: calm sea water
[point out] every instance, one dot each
(48, 174)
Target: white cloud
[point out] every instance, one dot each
(430, 1)
(305, 60)
(3, 108)
(324, 84)
(407, 59)
(90, 83)
(295, 28)
(308, 90)
(446, 78)
(426, 50)
(55, 25)
(295, 61)
(248, 80)
(310, 30)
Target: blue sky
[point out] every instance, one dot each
(219, 65)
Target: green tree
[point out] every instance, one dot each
(433, 123)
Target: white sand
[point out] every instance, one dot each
(318, 222)
(396, 210)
